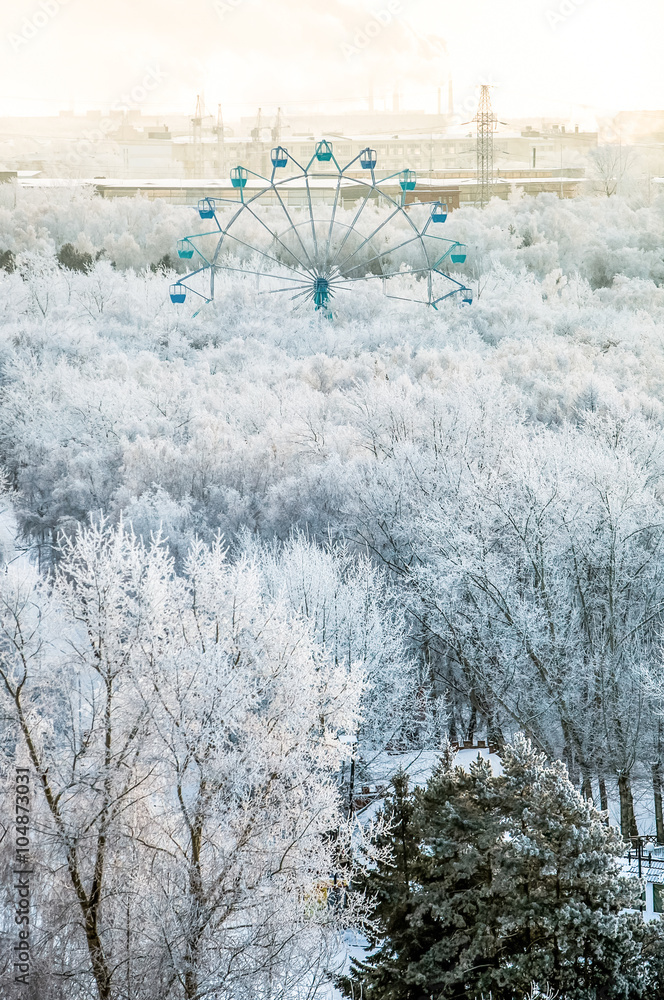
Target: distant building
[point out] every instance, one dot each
(427, 153)
(141, 149)
(455, 188)
(649, 866)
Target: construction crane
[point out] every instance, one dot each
(276, 131)
(486, 127)
(219, 129)
(197, 135)
(258, 127)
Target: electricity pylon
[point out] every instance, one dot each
(486, 126)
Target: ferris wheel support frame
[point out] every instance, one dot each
(318, 287)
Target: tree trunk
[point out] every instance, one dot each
(657, 792)
(128, 945)
(572, 766)
(603, 797)
(100, 967)
(587, 787)
(472, 723)
(197, 898)
(494, 733)
(351, 785)
(191, 981)
(452, 728)
(628, 826)
(89, 903)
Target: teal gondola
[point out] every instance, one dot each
(439, 212)
(279, 157)
(407, 180)
(239, 177)
(206, 207)
(368, 159)
(324, 151)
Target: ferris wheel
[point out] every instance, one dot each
(320, 231)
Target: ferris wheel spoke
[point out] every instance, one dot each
(264, 253)
(348, 282)
(334, 212)
(351, 281)
(344, 288)
(261, 274)
(352, 226)
(299, 295)
(311, 216)
(385, 253)
(280, 242)
(272, 291)
(295, 229)
(224, 232)
(389, 274)
(371, 236)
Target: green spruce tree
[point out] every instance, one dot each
(390, 885)
(490, 883)
(460, 823)
(568, 914)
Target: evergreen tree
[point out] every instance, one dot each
(460, 825)
(71, 259)
(389, 883)
(7, 261)
(564, 917)
(496, 882)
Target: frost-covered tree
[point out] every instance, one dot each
(610, 164)
(358, 618)
(184, 733)
(247, 712)
(533, 562)
(68, 655)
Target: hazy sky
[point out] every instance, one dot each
(557, 57)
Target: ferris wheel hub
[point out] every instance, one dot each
(321, 292)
